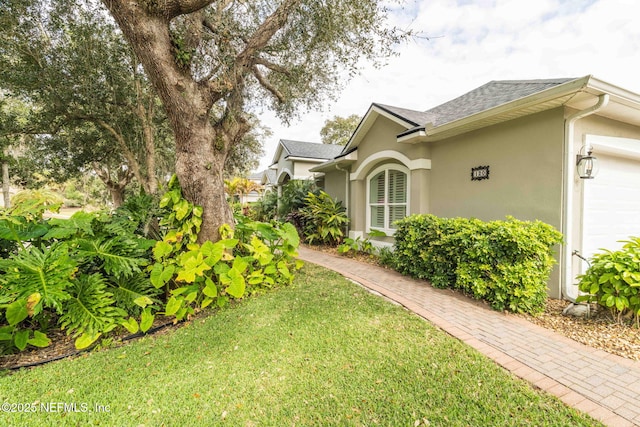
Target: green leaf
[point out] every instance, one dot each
(39, 340)
(191, 297)
(173, 305)
(237, 286)
(21, 338)
(17, 312)
(194, 266)
(182, 209)
(210, 289)
(131, 325)
(85, 340)
(212, 252)
(160, 274)
(162, 249)
(206, 302)
(143, 301)
(229, 243)
(146, 319)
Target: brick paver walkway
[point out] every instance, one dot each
(605, 386)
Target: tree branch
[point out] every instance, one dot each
(270, 65)
(271, 25)
(265, 84)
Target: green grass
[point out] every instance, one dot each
(321, 352)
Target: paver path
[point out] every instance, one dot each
(605, 386)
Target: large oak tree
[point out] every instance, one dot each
(210, 60)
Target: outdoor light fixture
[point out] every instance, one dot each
(586, 165)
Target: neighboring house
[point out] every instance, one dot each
(268, 180)
(294, 160)
(505, 148)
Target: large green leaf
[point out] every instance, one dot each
(236, 287)
(90, 309)
(119, 256)
(160, 274)
(46, 271)
(39, 340)
(17, 312)
(21, 339)
(193, 267)
(146, 319)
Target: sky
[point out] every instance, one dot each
(472, 42)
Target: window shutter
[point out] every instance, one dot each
(397, 187)
(396, 213)
(376, 188)
(377, 216)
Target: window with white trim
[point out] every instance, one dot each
(387, 196)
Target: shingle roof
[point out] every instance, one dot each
(269, 176)
(487, 96)
(310, 150)
(416, 118)
(483, 98)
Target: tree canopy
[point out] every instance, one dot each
(339, 129)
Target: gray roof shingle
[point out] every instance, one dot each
(416, 118)
(488, 96)
(483, 98)
(310, 150)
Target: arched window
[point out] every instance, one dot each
(388, 197)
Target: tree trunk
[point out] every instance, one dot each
(6, 185)
(199, 168)
(117, 195)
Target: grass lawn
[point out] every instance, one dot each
(321, 352)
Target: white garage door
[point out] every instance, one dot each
(611, 210)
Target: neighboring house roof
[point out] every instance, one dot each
(269, 177)
(257, 176)
(312, 151)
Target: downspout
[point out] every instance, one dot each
(346, 194)
(567, 191)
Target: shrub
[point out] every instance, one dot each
(506, 263)
(193, 276)
(294, 194)
(80, 273)
(324, 219)
(265, 209)
(613, 280)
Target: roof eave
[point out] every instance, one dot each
(540, 101)
(337, 163)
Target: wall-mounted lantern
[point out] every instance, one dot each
(587, 165)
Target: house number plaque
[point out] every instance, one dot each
(479, 173)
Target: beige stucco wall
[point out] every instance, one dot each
(301, 169)
(335, 185)
(525, 163)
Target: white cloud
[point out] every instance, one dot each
(482, 41)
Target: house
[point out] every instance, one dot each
(506, 148)
(294, 160)
(268, 180)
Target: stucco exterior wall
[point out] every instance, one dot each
(335, 185)
(301, 169)
(525, 171)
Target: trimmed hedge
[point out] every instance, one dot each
(506, 263)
